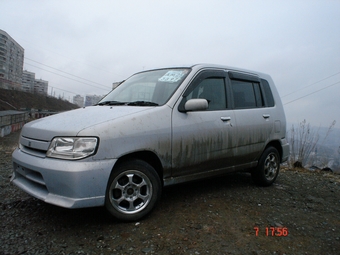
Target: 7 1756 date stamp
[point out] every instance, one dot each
(271, 231)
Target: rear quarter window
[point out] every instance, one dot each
(267, 93)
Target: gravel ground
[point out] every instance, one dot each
(215, 216)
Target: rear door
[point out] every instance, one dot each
(202, 140)
(253, 119)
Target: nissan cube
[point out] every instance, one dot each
(157, 128)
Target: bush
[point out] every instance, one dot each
(303, 143)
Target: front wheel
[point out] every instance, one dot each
(268, 167)
(133, 190)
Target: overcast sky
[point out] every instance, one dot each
(96, 43)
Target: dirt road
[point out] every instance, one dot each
(299, 214)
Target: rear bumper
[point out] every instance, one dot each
(285, 150)
(70, 184)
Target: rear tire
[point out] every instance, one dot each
(133, 190)
(268, 167)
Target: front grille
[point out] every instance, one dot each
(33, 146)
(32, 151)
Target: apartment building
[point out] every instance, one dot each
(92, 99)
(40, 87)
(32, 85)
(28, 79)
(78, 100)
(11, 62)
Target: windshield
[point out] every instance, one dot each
(149, 88)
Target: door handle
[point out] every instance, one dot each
(225, 118)
(266, 116)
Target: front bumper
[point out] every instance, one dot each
(70, 184)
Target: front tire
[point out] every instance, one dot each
(133, 190)
(268, 167)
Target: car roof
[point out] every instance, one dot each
(200, 66)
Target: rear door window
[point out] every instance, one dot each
(246, 94)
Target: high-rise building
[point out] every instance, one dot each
(11, 62)
(40, 87)
(78, 100)
(92, 99)
(115, 84)
(28, 79)
(32, 85)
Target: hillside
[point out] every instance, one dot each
(16, 100)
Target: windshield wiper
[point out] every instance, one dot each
(142, 103)
(111, 103)
(135, 103)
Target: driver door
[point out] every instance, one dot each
(203, 140)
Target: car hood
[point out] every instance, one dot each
(70, 123)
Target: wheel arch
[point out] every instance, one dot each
(147, 156)
(277, 145)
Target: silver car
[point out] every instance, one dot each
(157, 128)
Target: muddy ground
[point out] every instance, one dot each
(215, 216)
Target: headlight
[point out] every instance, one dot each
(72, 147)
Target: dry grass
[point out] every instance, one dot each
(20, 99)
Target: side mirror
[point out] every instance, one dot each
(197, 104)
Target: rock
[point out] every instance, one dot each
(297, 164)
(100, 238)
(327, 169)
(146, 250)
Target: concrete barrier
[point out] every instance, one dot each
(6, 130)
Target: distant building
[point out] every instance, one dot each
(11, 62)
(32, 85)
(27, 83)
(12, 75)
(40, 87)
(116, 84)
(92, 99)
(78, 100)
